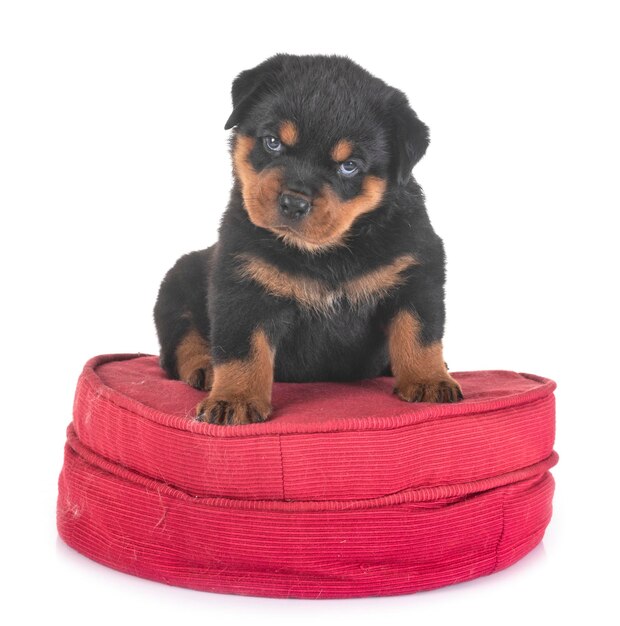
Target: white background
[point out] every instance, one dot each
(113, 162)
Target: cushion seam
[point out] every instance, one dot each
(501, 533)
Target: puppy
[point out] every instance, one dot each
(327, 267)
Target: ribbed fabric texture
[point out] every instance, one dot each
(347, 491)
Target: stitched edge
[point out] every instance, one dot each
(96, 386)
(281, 465)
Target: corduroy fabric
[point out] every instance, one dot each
(347, 491)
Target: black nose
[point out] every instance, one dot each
(293, 206)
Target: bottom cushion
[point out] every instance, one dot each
(346, 492)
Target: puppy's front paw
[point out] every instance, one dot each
(232, 412)
(442, 390)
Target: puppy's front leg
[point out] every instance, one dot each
(241, 391)
(418, 365)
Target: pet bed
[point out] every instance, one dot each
(346, 491)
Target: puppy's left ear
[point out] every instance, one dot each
(409, 138)
(250, 85)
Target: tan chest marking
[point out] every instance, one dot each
(315, 294)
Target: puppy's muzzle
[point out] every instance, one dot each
(294, 206)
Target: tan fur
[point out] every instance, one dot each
(329, 219)
(378, 283)
(193, 355)
(260, 191)
(289, 134)
(241, 391)
(315, 294)
(342, 151)
(419, 369)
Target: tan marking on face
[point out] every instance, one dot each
(194, 360)
(329, 219)
(419, 368)
(318, 296)
(245, 382)
(288, 133)
(342, 151)
(260, 190)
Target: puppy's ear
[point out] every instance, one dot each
(409, 137)
(250, 85)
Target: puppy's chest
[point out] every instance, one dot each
(317, 296)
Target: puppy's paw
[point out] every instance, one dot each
(232, 412)
(200, 378)
(442, 390)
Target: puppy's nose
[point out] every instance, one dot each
(294, 206)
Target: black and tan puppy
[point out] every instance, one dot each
(327, 267)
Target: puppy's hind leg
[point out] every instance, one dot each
(182, 322)
(193, 361)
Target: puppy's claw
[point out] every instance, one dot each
(232, 412)
(444, 391)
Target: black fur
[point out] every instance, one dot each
(328, 98)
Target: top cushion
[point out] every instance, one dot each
(325, 441)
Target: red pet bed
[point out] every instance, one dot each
(347, 491)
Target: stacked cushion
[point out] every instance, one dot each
(346, 491)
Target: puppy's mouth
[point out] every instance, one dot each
(285, 229)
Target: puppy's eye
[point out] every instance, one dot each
(272, 144)
(349, 168)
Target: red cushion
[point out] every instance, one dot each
(346, 491)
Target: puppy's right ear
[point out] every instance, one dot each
(250, 85)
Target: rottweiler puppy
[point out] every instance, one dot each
(327, 267)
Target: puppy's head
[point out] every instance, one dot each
(318, 142)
